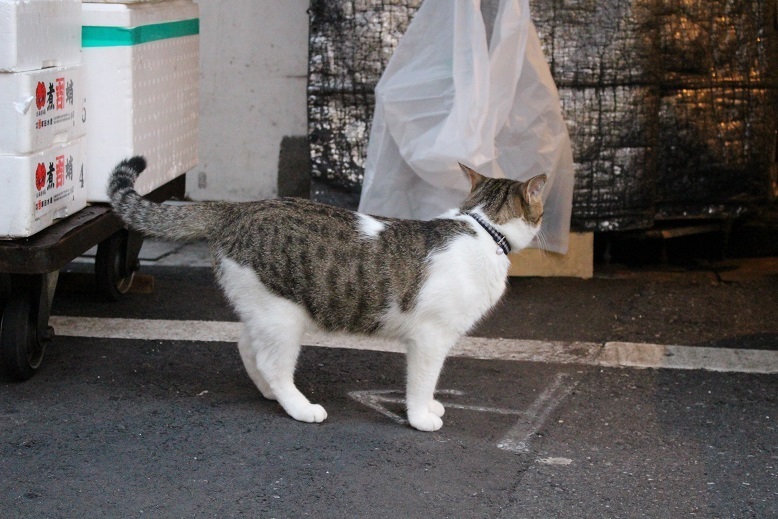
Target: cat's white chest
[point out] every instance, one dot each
(464, 282)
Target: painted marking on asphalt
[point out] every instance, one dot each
(637, 355)
(145, 329)
(610, 354)
(519, 437)
(376, 400)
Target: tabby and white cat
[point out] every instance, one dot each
(290, 265)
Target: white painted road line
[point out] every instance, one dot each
(375, 400)
(611, 354)
(145, 329)
(518, 438)
(685, 357)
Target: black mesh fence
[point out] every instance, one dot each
(351, 42)
(671, 104)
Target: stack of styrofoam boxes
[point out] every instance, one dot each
(142, 77)
(42, 115)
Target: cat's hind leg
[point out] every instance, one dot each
(249, 362)
(270, 343)
(275, 350)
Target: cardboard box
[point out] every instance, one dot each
(577, 263)
(142, 79)
(39, 188)
(39, 34)
(41, 108)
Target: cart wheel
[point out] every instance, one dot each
(113, 275)
(20, 346)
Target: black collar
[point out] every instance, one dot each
(496, 235)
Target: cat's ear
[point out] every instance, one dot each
(532, 189)
(474, 177)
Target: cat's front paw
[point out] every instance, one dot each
(437, 408)
(425, 420)
(310, 413)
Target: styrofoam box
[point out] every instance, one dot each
(40, 108)
(141, 65)
(39, 188)
(38, 34)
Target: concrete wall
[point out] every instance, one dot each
(254, 66)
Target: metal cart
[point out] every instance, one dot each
(29, 269)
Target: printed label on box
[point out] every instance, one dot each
(42, 187)
(41, 108)
(54, 102)
(55, 180)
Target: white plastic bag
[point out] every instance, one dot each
(448, 97)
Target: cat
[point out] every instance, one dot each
(289, 265)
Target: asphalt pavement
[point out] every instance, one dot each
(158, 427)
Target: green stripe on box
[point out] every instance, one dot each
(99, 36)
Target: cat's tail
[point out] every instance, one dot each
(178, 223)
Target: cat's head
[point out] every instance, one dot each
(514, 207)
